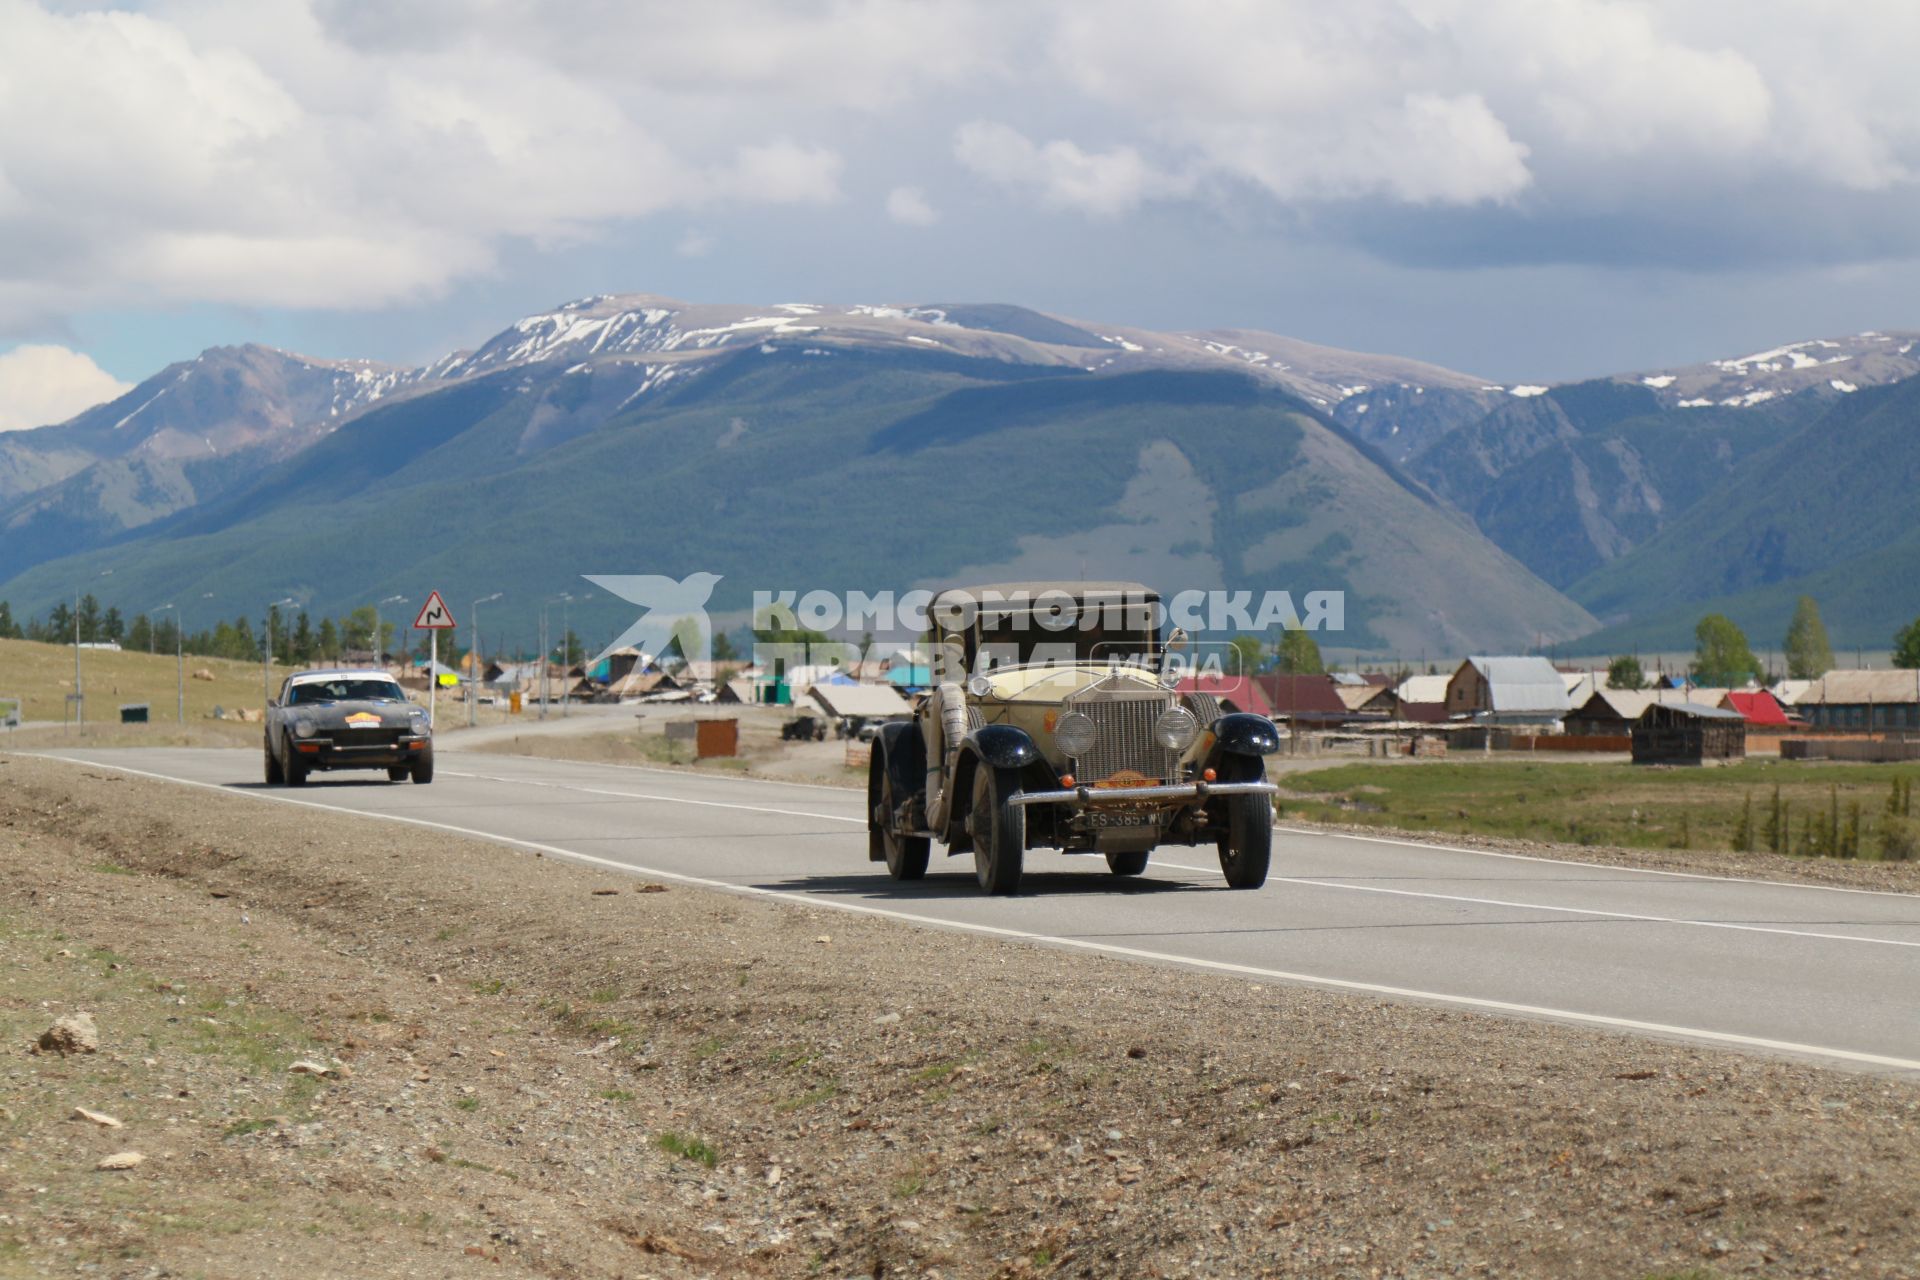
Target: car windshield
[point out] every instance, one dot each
(345, 689)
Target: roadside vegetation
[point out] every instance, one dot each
(41, 676)
(1837, 810)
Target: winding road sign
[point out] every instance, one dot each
(434, 615)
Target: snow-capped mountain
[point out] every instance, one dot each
(1841, 365)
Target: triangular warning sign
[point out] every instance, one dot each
(434, 615)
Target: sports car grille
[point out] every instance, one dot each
(382, 738)
(1123, 741)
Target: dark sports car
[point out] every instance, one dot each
(346, 720)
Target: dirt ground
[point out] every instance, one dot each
(537, 1068)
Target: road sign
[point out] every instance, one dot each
(434, 615)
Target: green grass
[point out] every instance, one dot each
(467, 1104)
(812, 1096)
(684, 1147)
(1597, 804)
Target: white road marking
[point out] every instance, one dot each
(1597, 866)
(641, 795)
(1579, 911)
(1082, 944)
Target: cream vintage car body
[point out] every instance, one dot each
(1044, 734)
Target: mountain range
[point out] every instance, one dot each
(800, 446)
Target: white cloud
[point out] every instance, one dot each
(1102, 183)
(210, 150)
(908, 206)
(41, 385)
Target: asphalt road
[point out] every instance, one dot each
(1775, 968)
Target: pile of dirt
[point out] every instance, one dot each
(572, 1073)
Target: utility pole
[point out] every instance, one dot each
(179, 659)
(473, 685)
(79, 694)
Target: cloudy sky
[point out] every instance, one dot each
(1523, 189)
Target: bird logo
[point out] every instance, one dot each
(675, 610)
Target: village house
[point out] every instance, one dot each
(1508, 691)
(1862, 700)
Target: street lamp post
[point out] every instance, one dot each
(179, 660)
(266, 653)
(566, 645)
(379, 627)
(473, 685)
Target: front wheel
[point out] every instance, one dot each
(423, 768)
(999, 830)
(1127, 864)
(296, 771)
(1246, 847)
(398, 773)
(275, 775)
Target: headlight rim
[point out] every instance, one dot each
(1075, 733)
(1176, 728)
(304, 729)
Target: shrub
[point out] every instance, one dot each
(1900, 840)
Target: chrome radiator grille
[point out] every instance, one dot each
(1124, 739)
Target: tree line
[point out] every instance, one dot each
(1722, 658)
(298, 640)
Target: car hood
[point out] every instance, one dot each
(352, 715)
(1052, 684)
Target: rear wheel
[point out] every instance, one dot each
(905, 854)
(999, 830)
(1246, 848)
(1127, 864)
(275, 775)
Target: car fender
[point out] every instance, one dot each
(1003, 746)
(1243, 733)
(903, 754)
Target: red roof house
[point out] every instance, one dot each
(1760, 708)
(1236, 693)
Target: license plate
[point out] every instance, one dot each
(1110, 821)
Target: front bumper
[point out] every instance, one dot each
(330, 753)
(1095, 797)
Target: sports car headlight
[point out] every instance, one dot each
(1176, 729)
(303, 728)
(1075, 732)
(419, 721)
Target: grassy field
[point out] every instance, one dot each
(1615, 804)
(41, 675)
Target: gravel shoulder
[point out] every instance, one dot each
(561, 1071)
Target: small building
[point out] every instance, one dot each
(1862, 700)
(1304, 699)
(1760, 709)
(1688, 733)
(850, 700)
(1421, 699)
(1507, 691)
(1236, 693)
(1608, 713)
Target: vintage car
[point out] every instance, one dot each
(346, 720)
(1038, 734)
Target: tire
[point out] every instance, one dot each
(296, 772)
(1246, 850)
(276, 776)
(399, 772)
(1128, 864)
(906, 856)
(999, 830)
(423, 769)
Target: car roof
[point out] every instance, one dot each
(350, 673)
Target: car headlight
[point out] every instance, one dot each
(1074, 732)
(1176, 729)
(980, 687)
(303, 728)
(419, 722)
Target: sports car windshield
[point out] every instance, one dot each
(305, 695)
